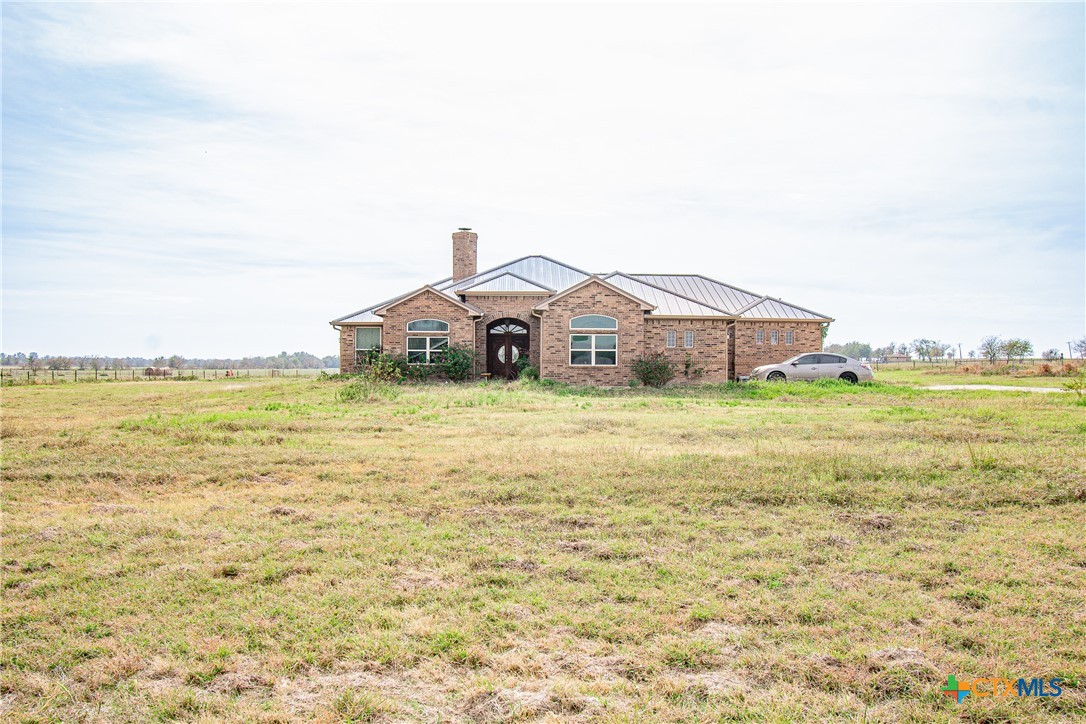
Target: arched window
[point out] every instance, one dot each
(593, 321)
(427, 325)
(509, 327)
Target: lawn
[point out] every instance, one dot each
(259, 551)
(976, 374)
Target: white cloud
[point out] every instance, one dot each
(913, 171)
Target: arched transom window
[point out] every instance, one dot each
(427, 325)
(593, 321)
(509, 328)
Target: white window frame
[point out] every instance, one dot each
(774, 337)
(688, 339)
(582, 316)
(759, 336)
(422, 331)
(380, 339)
(429, 351)
(789, 337)
(671, 338)
(592, 350)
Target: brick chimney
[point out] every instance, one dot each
(465, 253)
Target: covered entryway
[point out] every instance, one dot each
(506, 342)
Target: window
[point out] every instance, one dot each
(759, 337)
(830, 359)
(367, 338)
(809, 359)
(671, 338)
(593, 321)
(510, 327)
(774, 337)
(593, 349)
(688, 338)
(427, 325)
(426, 350)
(789, 337)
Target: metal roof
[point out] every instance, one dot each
(540, 270)
(504, 282)
(705, 290)
(666, 303)
(671, 294)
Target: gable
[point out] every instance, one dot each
(594, 285)
(428, 296)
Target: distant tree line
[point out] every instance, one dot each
(282, 361)
(991, 348)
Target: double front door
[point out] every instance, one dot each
(506, 345)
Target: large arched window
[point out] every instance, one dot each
(427, 325)
(593, 321)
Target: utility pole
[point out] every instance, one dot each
(1070, 355)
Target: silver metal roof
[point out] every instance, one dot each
(666, 303)
(705, 290)
(541, 270)
(672, 294)
(504, 282)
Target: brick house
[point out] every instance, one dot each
(578, 327)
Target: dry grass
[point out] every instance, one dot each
(258, 551)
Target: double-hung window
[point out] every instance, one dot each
(599, 350)
(426, 350)
(367, 338)
(671, 338)
(688, 338)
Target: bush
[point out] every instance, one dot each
(457, 362)
(653, 370)
(366, 387)
(527, 370)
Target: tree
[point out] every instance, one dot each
(991, 347)
(33, 361)
(1079, 345)
(177, 362)
(59, 363)
(972, 354)
(1051, 354)
(1017, 348)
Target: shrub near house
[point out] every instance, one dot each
(570, 325)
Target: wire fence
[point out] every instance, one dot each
(12, 375)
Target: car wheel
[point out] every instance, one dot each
(849, 377)
(775, 376)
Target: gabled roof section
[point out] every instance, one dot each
(505, 282)
(541, 270)
(645, 306)
(422, 290)
(703, 289)
(667, 303)
(362, 316)
(768, 308)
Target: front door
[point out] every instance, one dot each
(506, 343)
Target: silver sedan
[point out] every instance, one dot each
(815, 366)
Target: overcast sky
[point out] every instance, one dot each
(222, 180)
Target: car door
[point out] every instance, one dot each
(830, 366)
(805, 368)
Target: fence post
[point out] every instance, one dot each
(76, 375)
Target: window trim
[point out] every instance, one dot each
(774, 337)
(688, 339)
(428, 331)
(428, 351)
(671, 338)
(582, 316)
(789, 338)
(380, 339)
(759, 336)
(592, 351)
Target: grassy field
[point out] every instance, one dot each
(974, 374)
(259, 551)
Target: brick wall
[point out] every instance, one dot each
(427, 305)
(593, 298)
(749, 354)
(709, 353)
(501, 306)
(346, 350)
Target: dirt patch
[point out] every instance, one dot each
(233, 683)
(414, 581)
(719, 632)
(878, 522)
(503, 705)
(283, 511)
(112, 509)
